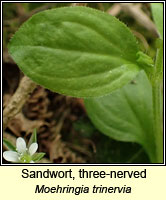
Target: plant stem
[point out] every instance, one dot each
(17, 101)
(157, 104)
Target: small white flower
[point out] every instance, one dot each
(23, 154)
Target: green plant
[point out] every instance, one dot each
(22, 153)
(82, 52)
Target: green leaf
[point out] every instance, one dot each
(77, 51)
(37, 157)
(126, 114)
(112, 151)
(9, 145)
(157, 12)
(33, 138)
(146, 62)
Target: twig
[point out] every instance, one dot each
(114, 10)
(17, 101)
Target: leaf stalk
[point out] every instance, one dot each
(158, 104)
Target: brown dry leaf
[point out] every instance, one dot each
(6, 99)
(21, 124)
(135, 10)
(37, 105)
(59, 152)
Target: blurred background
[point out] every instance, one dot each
(64, 130)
